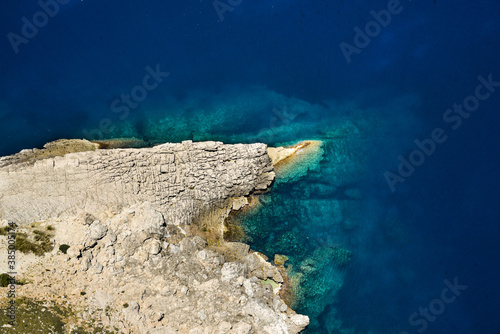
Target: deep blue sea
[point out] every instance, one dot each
(404, 95)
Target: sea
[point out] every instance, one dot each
(390, 227)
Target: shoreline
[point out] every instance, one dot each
(286, 160)
(85, 254)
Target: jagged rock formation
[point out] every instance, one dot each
(133, 264)
(141, 275)
(182, 180)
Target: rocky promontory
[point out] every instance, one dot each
(130, 240)
(183, 181)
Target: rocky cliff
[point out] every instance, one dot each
(122, 238)
(181, 180)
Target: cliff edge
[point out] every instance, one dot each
(113, 240)
(181, 180)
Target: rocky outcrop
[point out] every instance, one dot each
(131, 262)
(141, 275)
(183, 181)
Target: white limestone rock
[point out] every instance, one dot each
(125, 215)
(232, 270)
(182, 181)
(98, 230)
(300, 320)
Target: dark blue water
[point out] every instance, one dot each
(273, 71)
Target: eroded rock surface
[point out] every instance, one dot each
(132, 265)
(181, 180)
(131, 272)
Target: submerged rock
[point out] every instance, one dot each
(280, 260)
